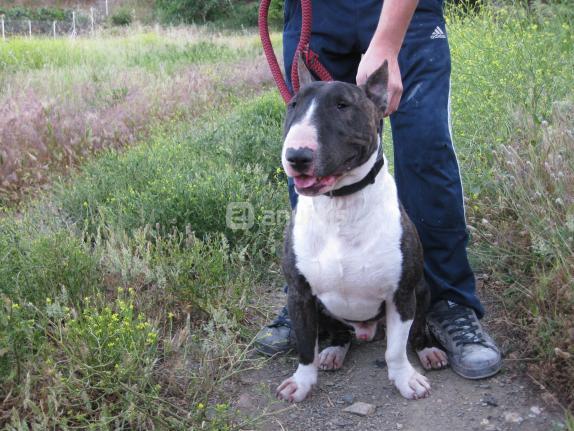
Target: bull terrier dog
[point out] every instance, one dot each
(352, 256)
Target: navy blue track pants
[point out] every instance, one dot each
(426, 168)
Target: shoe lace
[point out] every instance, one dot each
(282, 319)
(460, 323)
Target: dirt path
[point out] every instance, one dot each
(508, 401)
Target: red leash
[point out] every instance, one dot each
(311, 58)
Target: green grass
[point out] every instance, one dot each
(99, 289)
(513, 110)
(61, 101)
(194, 174)
(147, 50)
(505, 63)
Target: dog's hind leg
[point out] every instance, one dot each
(332, 357)
(430, 356)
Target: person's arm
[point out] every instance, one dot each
(385, 44)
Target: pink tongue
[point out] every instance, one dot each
(306, 181)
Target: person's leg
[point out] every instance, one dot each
(429, 186)
(334, 40)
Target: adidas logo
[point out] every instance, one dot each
(438, 34)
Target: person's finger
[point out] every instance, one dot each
(394, 99)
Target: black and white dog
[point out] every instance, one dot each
(352, 255)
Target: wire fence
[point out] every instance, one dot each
(79, 22)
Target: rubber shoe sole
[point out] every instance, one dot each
(483, 373)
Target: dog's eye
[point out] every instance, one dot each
(342, 105)
(292, 104)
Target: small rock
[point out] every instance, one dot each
(484, 422)
(349, 398)
(489, 400)
(361, 409)
(399, 426)
(484, 386)
(512, 417)
(342, 422)
(536, 410)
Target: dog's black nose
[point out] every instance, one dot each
(299, 158)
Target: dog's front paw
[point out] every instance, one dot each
(297, 387)
(432, 358)
(410, 384)
(293, 391)
(332, 357)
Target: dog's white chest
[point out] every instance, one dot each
(349, 249)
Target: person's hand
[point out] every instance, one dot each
(370, 62)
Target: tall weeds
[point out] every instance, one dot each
(54, 119)
(125, 299)
(530, 237)
(513, 125)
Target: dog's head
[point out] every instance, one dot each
(330, 132)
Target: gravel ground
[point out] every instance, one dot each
(507, 401)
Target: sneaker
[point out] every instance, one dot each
(278, 337)
(472, 353)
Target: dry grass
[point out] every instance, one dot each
(141, 325)
(530, 232)
(51, 3)
(511, 69)
(52, 120)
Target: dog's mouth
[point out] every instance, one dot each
(309, 185)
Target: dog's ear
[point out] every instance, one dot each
(303, 72)
(376, 86)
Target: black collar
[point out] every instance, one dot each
(367, 180)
